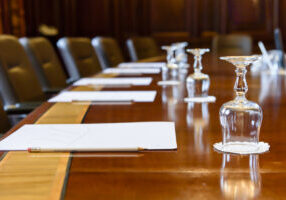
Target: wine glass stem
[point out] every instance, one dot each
(240, 86)
(198, 64)
(169, 56)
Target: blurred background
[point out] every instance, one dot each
(167, 21)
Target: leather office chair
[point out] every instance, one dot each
(232, 45)
(4, 122)
(79, 57)
(19, 87)
(108, 51)
(45, 63)
(141, 48)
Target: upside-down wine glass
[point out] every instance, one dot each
(181, 56)
(171, 66)
(240, 119)
(198, 83)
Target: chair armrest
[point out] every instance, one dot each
(21, 108)
(70, 81)
(53, 90)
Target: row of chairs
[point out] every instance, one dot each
(30, 69)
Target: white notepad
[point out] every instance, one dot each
(147, 135)
(136, 96)
(142, 65)
(132, 71)
(114, 81)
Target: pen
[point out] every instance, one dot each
(102, 102)
(110, 85)
(51, 150)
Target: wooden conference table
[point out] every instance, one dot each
(194, 171)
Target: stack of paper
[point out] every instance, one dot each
(147, 135)
(132, 71)
(159, 65)
(136, 96)
(114, 81)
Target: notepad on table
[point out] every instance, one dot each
(146, 135)
(142, 65)
(114, 81)
(131, 71)
(135, 96)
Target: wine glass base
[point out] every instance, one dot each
(242, 147)
(200, 99)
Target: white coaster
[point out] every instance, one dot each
(200, 99)
(242, 147)
(163, 83)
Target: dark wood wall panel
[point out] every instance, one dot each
(166, 20)
(95, 17)
(255, 17)
(168, 15)
(12, 17)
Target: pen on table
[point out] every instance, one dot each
(51, 150)
(125, 73)
(111, 85)
(102, 102)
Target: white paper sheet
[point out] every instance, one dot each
(170, 82)
(147, 135)
(114, 81)
(136, 96)
(132, 71)
(200, 99)
(159, 65)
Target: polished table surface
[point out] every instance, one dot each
(195, 170)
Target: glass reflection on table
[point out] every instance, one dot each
(197, 118)
(240, 177)
(172, 94)
(170, 98)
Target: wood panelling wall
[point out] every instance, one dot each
(12, 20)
(166, 20)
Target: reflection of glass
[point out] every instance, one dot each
(198, 83)
(198, 118)
(240, 177)
(240, 119)
(170, 98)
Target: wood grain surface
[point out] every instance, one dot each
(195, 170)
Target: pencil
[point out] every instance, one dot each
(50, 150)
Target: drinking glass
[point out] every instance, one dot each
(240, 119)
(272, 64)
(276, 59)
(171, 66)
(181, 56)
(198, 83)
